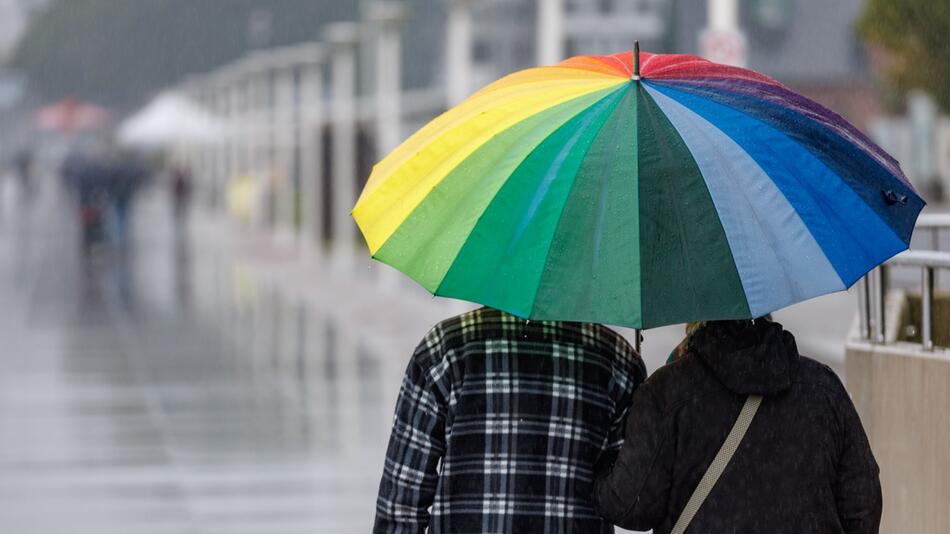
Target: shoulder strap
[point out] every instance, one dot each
(719, 463)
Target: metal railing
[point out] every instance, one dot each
(872, 289)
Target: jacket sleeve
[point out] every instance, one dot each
(858, 487)
(416, 446)
(627, 377)
(633, 492)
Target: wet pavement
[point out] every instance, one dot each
(154, 392)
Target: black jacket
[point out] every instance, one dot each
(805, 465)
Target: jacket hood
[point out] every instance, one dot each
(748, 357)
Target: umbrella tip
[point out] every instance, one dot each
(636, 61)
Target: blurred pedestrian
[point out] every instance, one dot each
(87, 179)
(181, 190)
(803, 465)
(498, 425)
(23, 165)
(126, 174)
(181, 197)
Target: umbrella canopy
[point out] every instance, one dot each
(684, 191)
(168, 119)
(69, 116)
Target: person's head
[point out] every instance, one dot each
(693, 327)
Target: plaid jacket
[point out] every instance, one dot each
(499, 423)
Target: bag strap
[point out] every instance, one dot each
(719, 463)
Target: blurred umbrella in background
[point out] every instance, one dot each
(592, 191)
(71, 116)
(167, 120)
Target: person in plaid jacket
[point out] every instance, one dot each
(499, 423)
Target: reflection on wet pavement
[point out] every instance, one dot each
(155, 391)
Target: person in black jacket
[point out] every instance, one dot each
(804, 465)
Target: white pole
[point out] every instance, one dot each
(283, 135)
(237, 121)
(311, 152)
(722, 40)
(256, 137)
(343, 38)
(222, 143)
(550, 32)
(723, 14)
(458, 53)
(387, 17)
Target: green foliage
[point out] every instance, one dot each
(917, 33)
(118, 52)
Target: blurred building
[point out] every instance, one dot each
(504, 35)
(14, 17)
(809, 45)
(508, 35)
(308, 122)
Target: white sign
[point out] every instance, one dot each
(723, 46)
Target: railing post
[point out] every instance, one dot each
(880, 296)
(926, 307)
(864, 309)
(935, 246)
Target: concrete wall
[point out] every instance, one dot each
(903, 396)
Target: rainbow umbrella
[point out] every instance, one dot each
(599, 190)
